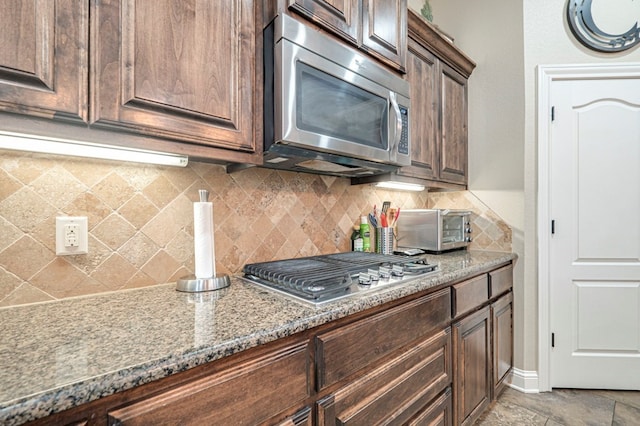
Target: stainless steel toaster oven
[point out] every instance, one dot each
(434, 230)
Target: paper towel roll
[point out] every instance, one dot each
(205, 263)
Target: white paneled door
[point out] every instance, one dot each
(594, 243)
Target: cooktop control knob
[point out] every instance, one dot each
(375, 276)
(385, 272)
(397, 270)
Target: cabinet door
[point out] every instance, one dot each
(472, 367)
(43, 57)
(453, 154)
(341, 17)
(384, 30)
(182, 70)
(422, 74)
(502, 322)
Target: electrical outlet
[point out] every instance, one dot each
(71, 235)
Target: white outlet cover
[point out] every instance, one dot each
(83, 237)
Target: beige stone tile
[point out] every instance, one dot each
(181, 247)
(181, 178)
(138, 250)
(565, 406)
(58, 278)
(87, 204)
(114, 272)
(8, 283)
(98, 253)
(9, 234)
(25, 257)
(8, 185)
(58, 187)
(25, 167)
(161, 267)
(87, 171)
(231, 260)
(160, 192)
(87, 286)
(248, 179)
(25, 209)
(137, 175)
(25, 294)
(506, 413)
(113, 190)
(114, 231)
(184, 272)
(171, 220)
(138, 210)
(262, 226)
(140, 279)
(45, 233)
(627, 397)
(626, 415)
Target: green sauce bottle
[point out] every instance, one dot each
(365, 234)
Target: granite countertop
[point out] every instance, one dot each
(57, 355)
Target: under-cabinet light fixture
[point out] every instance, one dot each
(403, 186)
(45, 145)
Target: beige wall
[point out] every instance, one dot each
(508, 40)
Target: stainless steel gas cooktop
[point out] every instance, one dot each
(321, 279)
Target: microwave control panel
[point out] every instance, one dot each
(403, 146)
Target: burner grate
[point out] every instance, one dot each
(319, 277)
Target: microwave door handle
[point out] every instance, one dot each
(398, 127)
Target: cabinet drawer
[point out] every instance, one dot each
(470, 294)
(343, 351)
(249, 393)
(438, 413)
(500, 281)
(396, 391)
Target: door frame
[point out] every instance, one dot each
(547, 75)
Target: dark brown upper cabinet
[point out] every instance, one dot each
(43, 58)
(179, 75)
(378, 27)
(438, 73)
(183, 70)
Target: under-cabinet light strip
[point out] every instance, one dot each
(30, 143)
(403, 186)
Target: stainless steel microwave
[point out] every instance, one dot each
(434, 230)
(329, 109)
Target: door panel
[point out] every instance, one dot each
(595, 251)
(182, 70)
(43, 58)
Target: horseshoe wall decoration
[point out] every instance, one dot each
(584, 29)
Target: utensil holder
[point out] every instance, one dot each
(384, 240)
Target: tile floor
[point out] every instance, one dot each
(564, 407)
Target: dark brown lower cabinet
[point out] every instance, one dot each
(438, 413)
(472, 366)
(405, 363)
(246, 395)
(502, 322)
(397, 391)
(301, 418)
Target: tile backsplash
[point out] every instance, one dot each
(141, 221)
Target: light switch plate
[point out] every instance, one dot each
(71, 235)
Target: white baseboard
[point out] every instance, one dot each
(524, 381)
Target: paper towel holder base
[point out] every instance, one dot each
(191, 284)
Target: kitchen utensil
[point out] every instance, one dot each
(385, 206)
(383, 220)
(372, 220)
